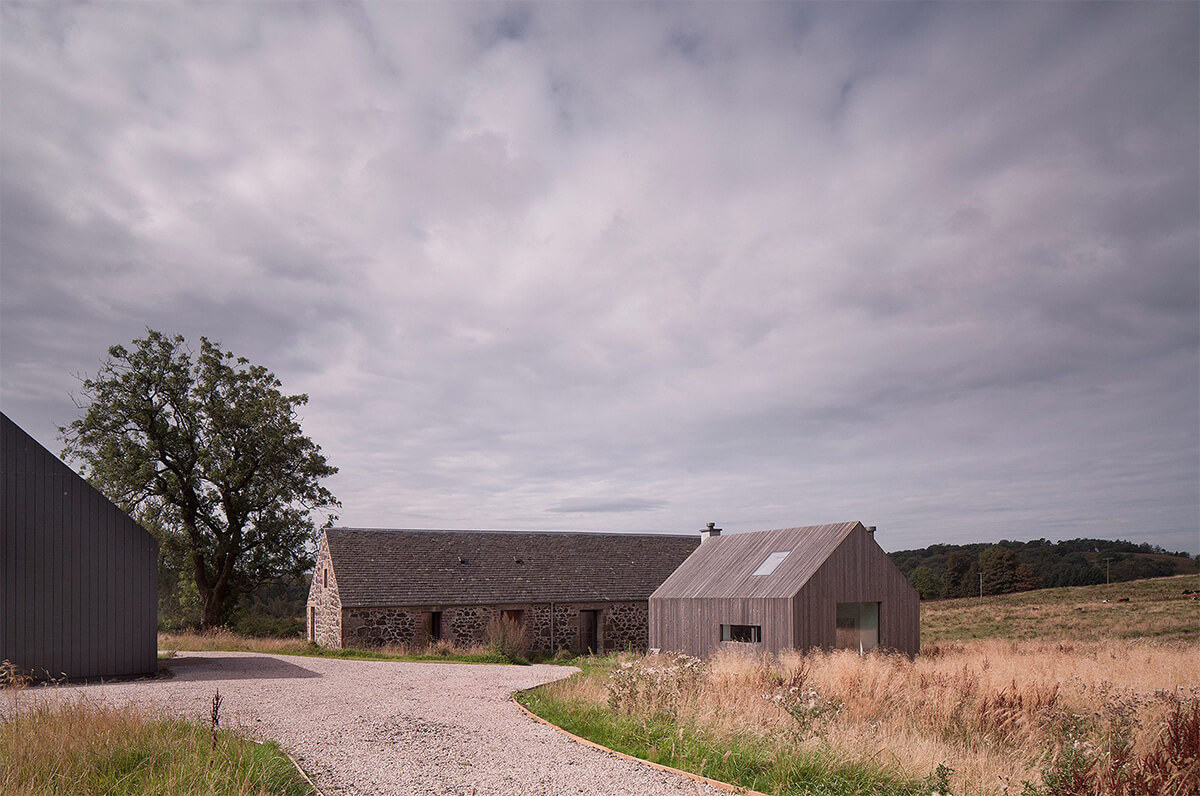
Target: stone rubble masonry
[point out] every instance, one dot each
(626, 625)
(623, 625)
(324, 604)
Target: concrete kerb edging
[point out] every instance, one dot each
(716, 783)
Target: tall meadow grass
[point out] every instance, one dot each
(1112, 718)
(84, 747)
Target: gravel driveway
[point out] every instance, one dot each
(383, 727)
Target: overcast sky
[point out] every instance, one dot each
(634, 267)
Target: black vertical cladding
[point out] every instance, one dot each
(78, 577)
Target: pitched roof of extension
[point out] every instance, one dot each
(377, 568)
(724, 566)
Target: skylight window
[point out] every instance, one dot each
(771, 562)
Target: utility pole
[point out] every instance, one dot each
(1107, 571)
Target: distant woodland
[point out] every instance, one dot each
(947, 570)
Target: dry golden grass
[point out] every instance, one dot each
(83, 747)
(226, 640)
(999, 713)
(1065, 691)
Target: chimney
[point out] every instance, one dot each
(710, 532)
(871, 530)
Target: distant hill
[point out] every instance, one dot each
(1158, 608)
(948, 570)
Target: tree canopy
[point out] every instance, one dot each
(208, 453)
(953, 570)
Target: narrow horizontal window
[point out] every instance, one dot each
(771, 562)
(747, 634)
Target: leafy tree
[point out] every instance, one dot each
(956, 583)
(970, 581)
(1026, 578)
(208, 452)
(926, 582)
(999, 567)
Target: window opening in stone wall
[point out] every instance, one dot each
(746, 634)
(325, 578)
(515, 616)
(312, 624)
(857, 626)
(771, 562)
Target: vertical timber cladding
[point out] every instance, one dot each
(859, 571)
(79, 577)
(694, 625)
(795, 602)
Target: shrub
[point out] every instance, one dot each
(508, 639)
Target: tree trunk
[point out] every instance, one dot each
(213, 615)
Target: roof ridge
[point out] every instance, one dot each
(667, 534)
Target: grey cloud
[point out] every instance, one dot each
(930, 266)
(613, 506)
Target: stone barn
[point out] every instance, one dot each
(578, 591)
(829, 586)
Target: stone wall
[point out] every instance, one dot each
(375, 627)
(626, 626)
(324, 604)
(622, 625)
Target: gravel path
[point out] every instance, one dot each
(383, 727)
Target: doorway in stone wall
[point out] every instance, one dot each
(431, 627)
(589, 631)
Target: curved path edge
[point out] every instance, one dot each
(716, 783)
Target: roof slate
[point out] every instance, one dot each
(378, 567)
(724, 565)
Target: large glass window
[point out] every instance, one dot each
(857, 626)
(747, 634)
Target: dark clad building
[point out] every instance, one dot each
(569, 590)
(829, 586)
(78, 577)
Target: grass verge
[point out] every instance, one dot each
(741, 760)
(100, 749)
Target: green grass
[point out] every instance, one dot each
(744, 762)
(85, 748)
(1156, 608)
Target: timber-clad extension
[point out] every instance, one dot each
(823, 586)
(573, 591)
(78, 577)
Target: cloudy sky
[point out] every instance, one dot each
(640, 267)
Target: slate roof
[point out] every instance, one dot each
(377, 568)
(723, 566)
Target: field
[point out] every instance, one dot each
(1064, 697)
(1155, 609)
